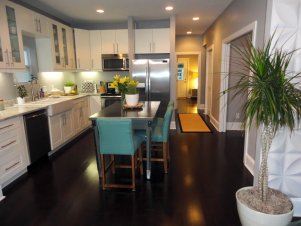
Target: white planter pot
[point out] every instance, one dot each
(68, 89)
(250, 217)
(131, 99)
(20, 100)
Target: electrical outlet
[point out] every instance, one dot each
(237, 115)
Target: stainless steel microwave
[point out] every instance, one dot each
(115, 62)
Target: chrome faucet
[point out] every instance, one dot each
(33, 96)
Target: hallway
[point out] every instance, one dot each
(206, 169)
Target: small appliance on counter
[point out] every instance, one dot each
(110, 89)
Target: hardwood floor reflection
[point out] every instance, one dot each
(187, 105)
(206, 169)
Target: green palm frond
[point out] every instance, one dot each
(273, 98)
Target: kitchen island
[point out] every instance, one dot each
(142, 119)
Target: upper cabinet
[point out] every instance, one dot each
(62, 46)
(152, 40)
(11, 47)
(95, 47)
(33, 23)
(82, 45)
(114, 41)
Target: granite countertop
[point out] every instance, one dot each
(22, 109)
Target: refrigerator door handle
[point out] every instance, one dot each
(149, 84)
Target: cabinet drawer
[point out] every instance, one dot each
(10, 164)
(9, 142)
(9, 124)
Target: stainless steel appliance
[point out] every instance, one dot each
(153, 76)
(37, 132)
(109, 98)
(115, 62)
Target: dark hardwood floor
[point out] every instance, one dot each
(206, 169)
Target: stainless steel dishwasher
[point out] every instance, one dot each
(37, 133)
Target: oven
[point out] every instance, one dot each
(108, 98)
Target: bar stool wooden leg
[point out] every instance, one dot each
(103, 172)
(133, 173)
(165, 157)
(113, 164)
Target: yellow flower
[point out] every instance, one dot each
(117, 77)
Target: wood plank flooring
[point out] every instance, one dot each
(199, 190)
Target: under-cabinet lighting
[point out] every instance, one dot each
(189, 32)
(195, 18)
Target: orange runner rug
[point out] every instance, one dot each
(193, 123)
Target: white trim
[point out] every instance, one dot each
(189, 53)
(225, 68)
(201, 106)
(249, 163)
(234, 126)
(297, 206)
(173, 125)
(214, 122)
(209, 49)
(1, 194)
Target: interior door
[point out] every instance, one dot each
(183, 70)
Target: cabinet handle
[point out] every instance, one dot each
(12, 59)
(8, 168)
(40, 27)
(150, 47)
(6, 145)
(92, 63)
(7, 57)
(117, 48)
(114, 48)
(4, 127)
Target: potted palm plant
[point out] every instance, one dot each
(273, 102)
(22, 93)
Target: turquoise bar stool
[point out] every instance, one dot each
(160, 137)
(116, 137)
(159, 121)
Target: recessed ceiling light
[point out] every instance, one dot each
(100, 11)
(168, 8)
(195, 18)
(189, 32)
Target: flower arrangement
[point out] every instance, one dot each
(125, 85)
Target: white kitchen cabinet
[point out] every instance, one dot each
(61, 129)
(11, 44)
(33, 23)
(85, 113)
(14, 157)
(114, 41)
(82, 43)
(95, 104)
(152, 40)
(95, 50)
(81, 114)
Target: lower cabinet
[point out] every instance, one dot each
(95, 104)
(14, 157)
(66, 125)
(61, 129)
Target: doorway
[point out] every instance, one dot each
(183, 70)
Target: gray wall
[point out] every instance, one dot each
(238, 15)
(7, 89)
(188, 43)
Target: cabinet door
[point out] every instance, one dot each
(71, 51)
(15, 47)
(95, 43)
(65, 53)
(41, 25)
(95, 104)
(76, 117)
(121, 38)
(108, 45)
(67, 125)
(56, 131)
(56, 45)
(161, 40)
(82, 43)
(3, 51)
(143, 40)
(85, 113)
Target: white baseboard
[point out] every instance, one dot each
(234, 126)
(249, 164)
(201, 106)
(173, 125)
(297, 206)
(214, 122)
(1, 194)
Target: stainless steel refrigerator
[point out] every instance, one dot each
(153, 76)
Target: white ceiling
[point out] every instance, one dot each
(83, 11)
